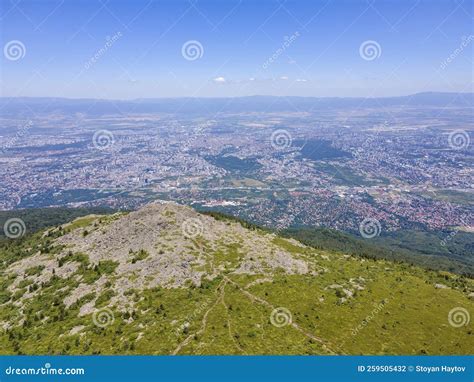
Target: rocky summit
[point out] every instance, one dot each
(166, 279)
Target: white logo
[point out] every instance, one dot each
(458, 317)
(192, 50)
(369, 228)
(192, 228)
(103, 139)
(281, 139)
(103, 318)
(370, 50)
(14, 228)
(459, 140)
(280, 317)
(14, 50)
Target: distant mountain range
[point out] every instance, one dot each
(27, 105)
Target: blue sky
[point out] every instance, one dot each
(307, 48)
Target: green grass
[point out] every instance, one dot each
(453, 196)
(412, 320)
(138, 256)
(34, 270)
(40, 218)
(397, 310)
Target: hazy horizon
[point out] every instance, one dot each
(212, 49)
(239, 96)
(237, 178)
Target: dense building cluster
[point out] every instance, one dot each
(277, 169)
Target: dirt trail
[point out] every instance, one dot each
(220, 299)
(229, 328)
(204, 319)
(254, 298)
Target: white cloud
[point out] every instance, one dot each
(301, 80)
(219, 80)
(284, 78)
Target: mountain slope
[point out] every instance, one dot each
(168, 280)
